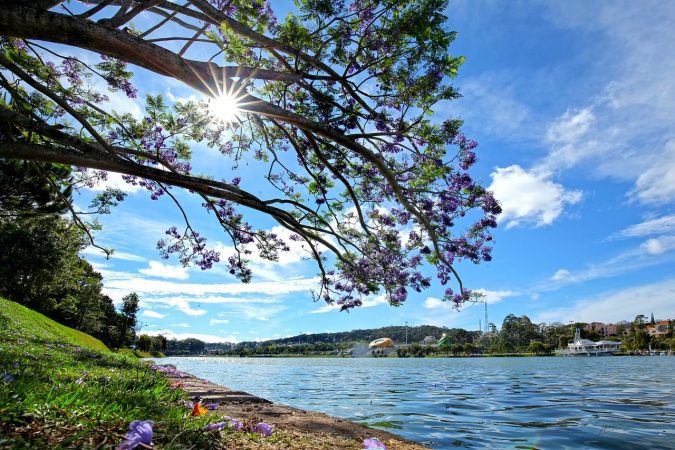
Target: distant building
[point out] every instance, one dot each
(429, 340)
(603, 329)
(381, 343)
(659, 329)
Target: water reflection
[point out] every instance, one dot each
(599, 403)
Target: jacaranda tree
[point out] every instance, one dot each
(337, 101)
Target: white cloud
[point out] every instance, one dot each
(561, 275)
(216, 300)
(114, 181)
(170, 334)
(185, 308)
(298, 251)
(153, 314)
(190, 98)
(660, 225)
(122, 283)
(436, 303)
(180, 304)
(157, 269)
(213, 322)
(122, 104)
(182, 325)
(252, 309)
(493, 104)
(328, 307)
(650, 253)
(626, 131)
(620, 305)
(529, 197)
(367, 302)
(571, 126)
(657, 184)
(658, 246)
(495, 296)
(488, 296)
(92, 251)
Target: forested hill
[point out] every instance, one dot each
(397, 333)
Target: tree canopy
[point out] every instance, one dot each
(337, 101)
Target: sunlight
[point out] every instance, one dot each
(225, 107)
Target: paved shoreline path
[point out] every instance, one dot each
(338, 433)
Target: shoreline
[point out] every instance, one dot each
(338, 433)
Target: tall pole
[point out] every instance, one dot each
(406, 333)
(486, 317)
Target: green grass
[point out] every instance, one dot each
(140, 354)
(23, 323)
(69, 391)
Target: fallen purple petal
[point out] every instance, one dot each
(236, 425)
(217, 426)
(373, 443)
(170, 370)
(6, 377)
(264, 429)
(186, 403)
(140, 432)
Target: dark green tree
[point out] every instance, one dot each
(144, 342)
(158, 344)
(39, 255)
(129, 310)
(517, 333)
(32, 188)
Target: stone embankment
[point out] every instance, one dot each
(333, 432)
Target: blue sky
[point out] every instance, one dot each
(573, 104)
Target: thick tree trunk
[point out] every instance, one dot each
(17, 20)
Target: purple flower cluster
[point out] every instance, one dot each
(71, 69)
(229, 422)
(117, 76)
(264, 429)
(170, 370)
(190, 246)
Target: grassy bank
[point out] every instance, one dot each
(139, 354)
(60, 388)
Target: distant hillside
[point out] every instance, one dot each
(396, 333)
(19, 322)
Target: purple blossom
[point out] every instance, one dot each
(373, 443)
(6, 377)
(215, 426)
(234, 424)
(170, 370)
(140, 432)
(263, 428)
(71, 70)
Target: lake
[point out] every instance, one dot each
(545, 403)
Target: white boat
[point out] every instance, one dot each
(586, 347)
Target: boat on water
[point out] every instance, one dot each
(586, 347)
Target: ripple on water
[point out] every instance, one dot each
(541, 403)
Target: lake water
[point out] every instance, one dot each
(545, 403)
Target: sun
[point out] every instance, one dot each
(225, 107)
